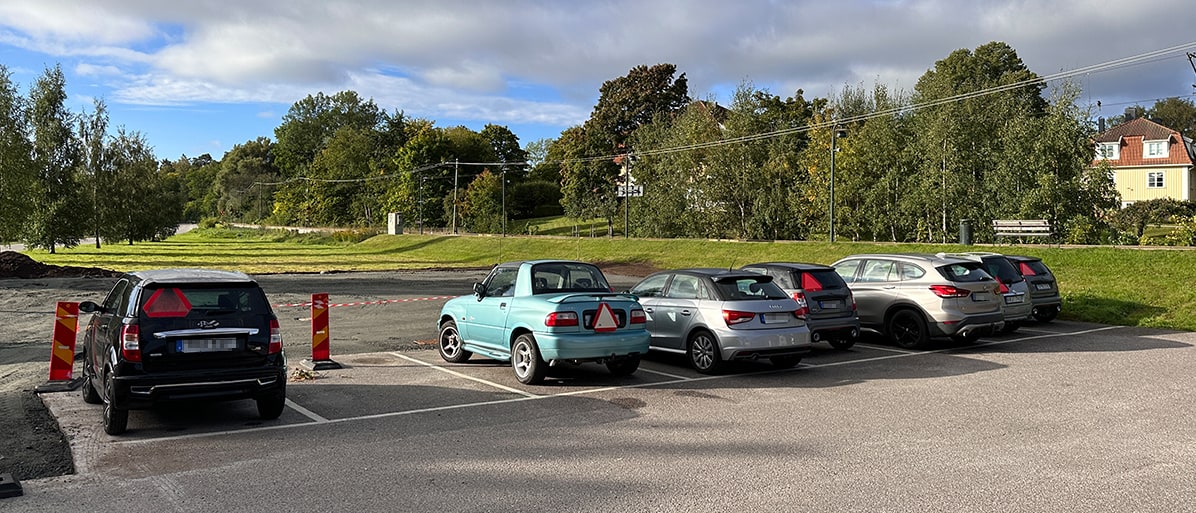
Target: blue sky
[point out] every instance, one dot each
(202, 76)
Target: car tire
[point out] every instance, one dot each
(841, 343)
(89, 392)
(452, 348)
(1045, 315)
(270, 406)
(623, 366)
(704, 353)
(907, 329)
(1011, 326)
(785, 362)
(116, 420)
(525, 360)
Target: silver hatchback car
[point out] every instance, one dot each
(912, 298)
(715, 316)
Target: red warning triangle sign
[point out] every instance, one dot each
(605, 320)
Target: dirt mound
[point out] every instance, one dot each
(18, 265)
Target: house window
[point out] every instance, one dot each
(1155, 149)
(1108, 151)
(1154, 180)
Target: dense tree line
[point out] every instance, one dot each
(64, 177)
(976, 139)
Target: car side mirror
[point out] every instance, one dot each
(479, 290)
(90, 307)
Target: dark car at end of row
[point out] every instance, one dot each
(177, 335)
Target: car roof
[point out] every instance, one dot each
(915, 257)
(802, 266)
(1023, 258)
(191, 276)
(516, 263)
(714, 272)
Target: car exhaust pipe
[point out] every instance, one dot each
(817, 337)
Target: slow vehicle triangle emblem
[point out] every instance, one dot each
(605, 320)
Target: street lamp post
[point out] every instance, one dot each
(836, 133)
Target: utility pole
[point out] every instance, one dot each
(420, 206)
(503, 177)
(456, 166)
(836, 133)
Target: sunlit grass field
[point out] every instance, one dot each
(1112, 285)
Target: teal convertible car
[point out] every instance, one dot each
(543, 313)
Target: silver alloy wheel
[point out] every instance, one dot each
(521, 359)
(701, 351)
(451, 346)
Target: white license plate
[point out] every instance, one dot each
(829, 305)
(205, 345)
(1014, 299)
(774, 318)
(980, 296)
(1042, 286)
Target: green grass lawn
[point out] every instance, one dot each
(1112, 285)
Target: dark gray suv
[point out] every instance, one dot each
(179, 335)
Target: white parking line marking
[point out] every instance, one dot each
(460, 375)
(883, 348)
(306, 412)
(533, 397)
(674, 376)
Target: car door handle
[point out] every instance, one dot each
(889, 287)
(502, 305)
(685, 312)
(647, 310)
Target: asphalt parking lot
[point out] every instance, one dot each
(1056, 417)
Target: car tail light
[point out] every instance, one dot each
(638, 317)
(558, 319)
(736, 317)
(853, 308)
(949, 291)
(130, 342)
(1025, 269)
(275, 337)
(803, 307)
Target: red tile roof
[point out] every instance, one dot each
(1131, 136)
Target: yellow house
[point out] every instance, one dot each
(1148, 160)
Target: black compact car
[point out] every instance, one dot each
(826, 303)
(182, 335)
(1044, 289)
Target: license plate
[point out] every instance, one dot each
(1014, 299)
(828, 305)
(980, 296)
(1042, 286)
(774, 318)
(205, 345)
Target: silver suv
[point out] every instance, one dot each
(1016, 304)
(911, 298)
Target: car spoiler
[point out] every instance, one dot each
(577, 297)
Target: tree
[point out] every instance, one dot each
(17, 175)
(243, 171)
(54, 218)
(1175, 113)
(482, 208)
(625, 104)
(311, 122)
(95, 169)
(137, 205)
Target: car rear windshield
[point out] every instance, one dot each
(828, 279)
(1002, 268)
(554, 278)
(735, 288)
(201, 300)
(964, 272)
(1033, 267)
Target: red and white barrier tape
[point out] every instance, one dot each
(360, 303)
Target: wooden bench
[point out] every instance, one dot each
(1022, 228)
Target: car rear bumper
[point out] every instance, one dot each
(145, 390)
(985, 324)
(753, 344)
(1018, 311)
(830, 329)
(592, 346)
